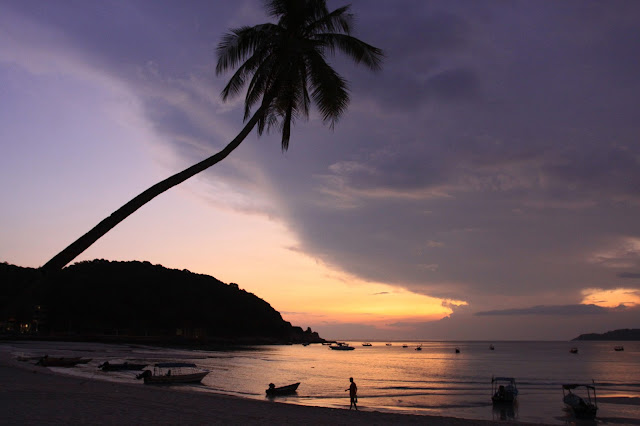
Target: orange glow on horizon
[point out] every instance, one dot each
(628, 297)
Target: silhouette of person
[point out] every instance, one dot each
(353, 394)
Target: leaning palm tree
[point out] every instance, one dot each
(283, 67)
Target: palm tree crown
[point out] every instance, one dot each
(285, 64)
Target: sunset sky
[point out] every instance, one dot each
(484, 185)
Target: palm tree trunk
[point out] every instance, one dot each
(81, 244)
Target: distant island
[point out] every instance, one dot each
(622, 334)
(111, 301)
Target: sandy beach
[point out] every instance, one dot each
(35, 395)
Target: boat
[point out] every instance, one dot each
(49, 361)
(418, 348)
(388, 344)
(340, 346)
(573, 350)
(170, 373)
(405, 346)
(282, 390)
(457, 350)
(618, 348)
(503, 390)
(125, 366)
(581, 407)
(367, 344)
(491, 347)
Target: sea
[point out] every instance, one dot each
(391, 378)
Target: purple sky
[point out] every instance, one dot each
(495, 160)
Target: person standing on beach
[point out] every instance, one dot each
(353, 394)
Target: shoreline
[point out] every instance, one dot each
(37, 395)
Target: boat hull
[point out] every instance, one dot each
(283, 390)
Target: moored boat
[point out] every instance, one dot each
(419, 348)
(340, 346)
(367, 344)
(573, 350)
(49, 361)
(503, 390)
(282, 390)
(457, 350)
(170, 373)
(618, 348)
(580, 407)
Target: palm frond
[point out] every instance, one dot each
(359, 51)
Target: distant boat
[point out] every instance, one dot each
(126, 366)
(405, 346)
(282, 390)
(580, 407)
(457, 350)
(367, 344)
(573, 350)
(170, 373)
(419, 348)
(388, 344)
(503, 390)
(618, 348)
(491, 346)
(48, 361)
(342, 347)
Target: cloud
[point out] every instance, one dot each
(560, 310)
(628, 275)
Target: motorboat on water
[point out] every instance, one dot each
(169, 373)
(619, 348)
(503, 390)
(491, 347)
(573, 350)
(582, 407)
(457, 350)
(282, 390)
(341, 346)
(367, 344)
(419, 348)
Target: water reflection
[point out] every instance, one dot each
(505, 411)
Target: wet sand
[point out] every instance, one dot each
(35, 395)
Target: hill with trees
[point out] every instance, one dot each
(137, 301)
(625, 334)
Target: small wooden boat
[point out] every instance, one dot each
(503, 390)
(340, 346)
(388, 344)
(49, 361)
(125, 366)
(618, 348)
(173, 373)
(282, 390)
(580, 407)
(573, 350)
(367, 344)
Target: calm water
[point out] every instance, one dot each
(434, 381)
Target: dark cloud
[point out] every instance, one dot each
(628, 274)
(560, 310)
